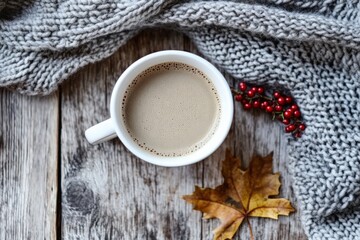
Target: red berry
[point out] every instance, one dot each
(289, 110)
(247, 106)
(256, 104)
(298, 134)
(269, 109)
(288, 100)
(277, 95)
(264, 105)
(290, 128)
(251, 93)
(287, 114)
(242, 86)
(281, 100)
(297, 113)
(254, 89)
(286, 121)
(260, 90)
(238, 97)
(278, 108)
(294, 107)
(302, 127)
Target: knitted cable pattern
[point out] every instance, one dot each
(311, 47)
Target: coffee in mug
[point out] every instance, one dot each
(171, 109)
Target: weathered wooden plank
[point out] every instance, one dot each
(107, 193)
(255, 133)
(28, 166)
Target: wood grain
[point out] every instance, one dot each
(28, 166)
(256, 133)
(107, 192)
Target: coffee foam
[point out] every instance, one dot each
(171, 66)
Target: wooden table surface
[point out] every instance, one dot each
(54, 185)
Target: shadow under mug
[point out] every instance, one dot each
(115, 125)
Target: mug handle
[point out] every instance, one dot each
(101, 132)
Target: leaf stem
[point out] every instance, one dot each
(250, 229)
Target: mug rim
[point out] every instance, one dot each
(221, 85)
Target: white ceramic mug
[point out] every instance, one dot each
(115, 126)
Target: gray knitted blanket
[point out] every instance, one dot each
(311, 47)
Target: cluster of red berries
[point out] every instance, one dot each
(280, 106)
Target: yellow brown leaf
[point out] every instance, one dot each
(244, 193)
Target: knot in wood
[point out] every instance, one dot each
(80, 197)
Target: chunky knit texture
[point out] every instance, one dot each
(310, 47)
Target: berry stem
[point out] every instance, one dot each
(235, 92)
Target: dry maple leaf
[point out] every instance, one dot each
(243, 194)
